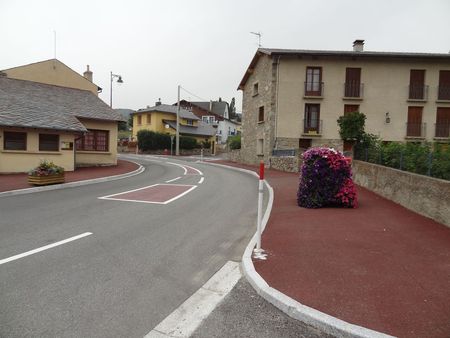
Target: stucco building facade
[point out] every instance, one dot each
(293, 98)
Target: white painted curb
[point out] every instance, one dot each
(288, 305)
(73, 184)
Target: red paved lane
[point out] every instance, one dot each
(158, 193)
(19, 181)
(380, 266)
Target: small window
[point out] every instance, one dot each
(351, 108)
(48, 142)
(190, 122)
(149, 118)
(261, 114)
(14, 141)
(255, 89)
(260, 147)
(139, 119)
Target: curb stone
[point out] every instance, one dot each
(73, 184)
(288, 305)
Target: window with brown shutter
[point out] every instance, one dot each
(414, 124)
(48, 142)
(352, 82)
(94, 140)
(417, 84)
(313, 83)
(442, 122)
(444, 85)
(351, 108)
(14, 140)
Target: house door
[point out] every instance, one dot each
(414, 125)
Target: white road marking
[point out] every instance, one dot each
(188, 316)
(42, 248)
(199, 172)
(201, 180)
(173, 180)
(181, 195)
(179, 165)
(125, 192)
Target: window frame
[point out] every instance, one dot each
(81, 142)
(261, 114)
(54, 146)
(255, 88)
(23, 142)
(313, 88)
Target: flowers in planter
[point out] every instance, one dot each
(326, 180)
(46, 168)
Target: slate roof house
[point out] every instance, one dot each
(71, 127)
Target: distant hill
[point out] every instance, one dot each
(125, 112)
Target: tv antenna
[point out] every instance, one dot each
(258, 34)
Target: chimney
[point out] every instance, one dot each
(88, 74)
(210, 105)
(158, 103)
(358, 45)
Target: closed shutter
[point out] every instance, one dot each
(414, 126)
(416, 84)
(443, 122)
(444, 85)
(352, 82)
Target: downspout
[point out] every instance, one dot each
(75, 151)
(276, 101)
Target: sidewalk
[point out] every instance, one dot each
(19, 181)
(380, 266)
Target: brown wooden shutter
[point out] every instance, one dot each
(351, 108)
(416, 84)
(444, 85)
(414, 126)
(443, 122)
(352, 82)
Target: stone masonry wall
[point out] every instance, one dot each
(425, 195)
(285, 163)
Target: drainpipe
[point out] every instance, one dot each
(75, 151)
(276, 101)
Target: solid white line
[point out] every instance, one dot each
(46, 247)
(199, 172)
(188, 316)
(125, 192)
(179, 165)
(174, 179)
(129, 200)
(180, 195)
(201, 180)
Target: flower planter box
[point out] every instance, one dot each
(45, 180)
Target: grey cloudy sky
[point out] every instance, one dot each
(204, 45)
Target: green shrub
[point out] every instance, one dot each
(150, 140)
(351, 126)
(188, 143)
(234, 142)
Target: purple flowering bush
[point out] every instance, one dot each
(326, 180)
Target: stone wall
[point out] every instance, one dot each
(329, 143)
(285, 163)
(425, 195)
(234, 155)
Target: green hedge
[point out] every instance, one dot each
(150, 140)
(234, 142)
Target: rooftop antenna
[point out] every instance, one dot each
(258, 34)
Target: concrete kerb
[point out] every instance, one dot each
(288, 305)
(73, 184)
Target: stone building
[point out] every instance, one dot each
(293, 98)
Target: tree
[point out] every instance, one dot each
(351, 126)
(130, 121)
(232, 109)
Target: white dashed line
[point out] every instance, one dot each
(173, 180)
(201, 180)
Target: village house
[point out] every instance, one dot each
(48, 111)
(293, 98)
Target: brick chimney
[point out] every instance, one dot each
(358, 45)
(88, 74)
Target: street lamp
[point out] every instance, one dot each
(119, 80)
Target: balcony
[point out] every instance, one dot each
(313, 89)
(418, 92)
(312, 127)
(444, 93)
(415, 130)
(353, 90)
(442, 130)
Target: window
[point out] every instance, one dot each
(48, 142)
(139, 119)
(351, 108)
(417, 84)
(311, 122)
(149, 118)
(261, 114)
(255, 89)
(442, 122)
(260, 147)
(444, 85)
(313, 84)
(190, 122)
(14, 141)
(352, 82)
(94, 140)
(414, 124)
(304, 143)
(209, 119)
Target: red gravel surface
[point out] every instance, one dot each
(19, 181)
(379, 266)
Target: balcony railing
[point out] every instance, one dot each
(444, 92)
(418, 92)
(353, 89)
(312, 127)
(442, 129)
(415, 129)
(313, 88)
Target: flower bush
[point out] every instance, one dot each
(326, 180)
(46, 168)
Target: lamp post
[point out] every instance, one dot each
(177, 140)
(119, 80)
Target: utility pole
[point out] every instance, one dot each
(177, 140)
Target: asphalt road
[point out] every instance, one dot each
(140, 263)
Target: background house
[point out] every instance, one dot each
(71, 127)
(293, 98)
(162, 118)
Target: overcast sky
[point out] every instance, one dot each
(204, 45)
